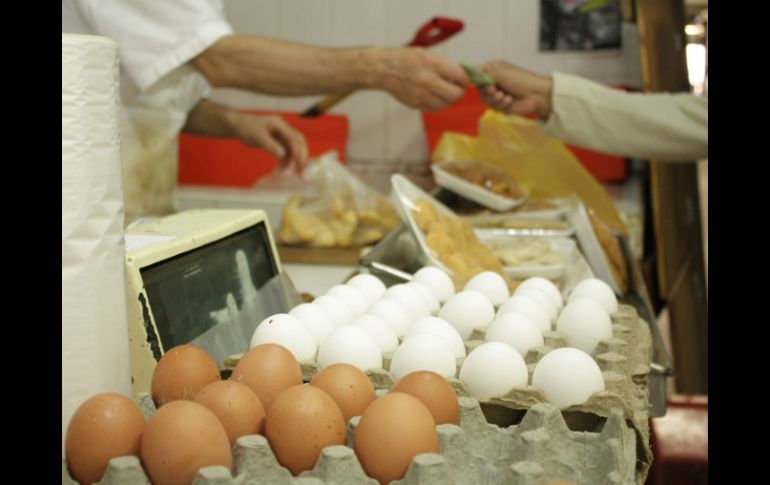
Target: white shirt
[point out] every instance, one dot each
(158, 88)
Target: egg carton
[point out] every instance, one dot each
(540, 446)
(625, 363)
(518, 438)
(624, 360)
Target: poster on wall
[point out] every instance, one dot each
(580, 25)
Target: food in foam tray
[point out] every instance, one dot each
(514, 222)
(526, 251)
(486, 176)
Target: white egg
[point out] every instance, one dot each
(467, 310)
(597, 290)
(423, 352)
(491, 285)
(528, 306)
(438, 281)
(285, 330)
(393, 313)
(567, 376)
(584, 324)
(547, 286)
(412, 302)
(428, 297)
(353, 298)
(314, 319)
(370, 286)
(516, 330)
(338, 311)
(350, 345)
(492, 369)
(543, 299)
(440, 328)
(379, 330)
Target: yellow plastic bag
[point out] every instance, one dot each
(544, 166)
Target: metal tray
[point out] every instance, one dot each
(661, 366)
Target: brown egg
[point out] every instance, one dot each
(348, 386)
(104, 427)
(394, 429)
(181, 373)
(302, 421)
(268, 369)
(236, 406)
(435, 392)
(181, 438)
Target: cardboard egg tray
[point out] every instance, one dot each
(518, 438)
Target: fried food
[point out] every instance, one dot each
(486, 176)
(452, 241)
(424, 214)
(336, 222)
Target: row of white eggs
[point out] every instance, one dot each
(432, 343)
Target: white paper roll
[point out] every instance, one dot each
(95, 352)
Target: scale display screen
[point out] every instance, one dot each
(194, 291)
(204, 277)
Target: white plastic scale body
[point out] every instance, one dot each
(203, 276)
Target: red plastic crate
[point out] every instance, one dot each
(228, 162)
(679, 442)
(463, 117)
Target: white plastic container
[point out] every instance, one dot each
(474, 192)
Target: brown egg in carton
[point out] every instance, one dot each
(537, 445)
(518, 438)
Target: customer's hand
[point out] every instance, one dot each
(516, 90)
(272, 134)
(419, 78)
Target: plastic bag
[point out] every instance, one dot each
(543, 165)
(335, 210)
(281, 178)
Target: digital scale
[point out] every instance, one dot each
(206, 277)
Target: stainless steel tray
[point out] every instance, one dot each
(661, 366)
(396, 257)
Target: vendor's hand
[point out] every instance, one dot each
(272, 134)
(419, 78)
(517, 91)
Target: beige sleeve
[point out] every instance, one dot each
(655, 126)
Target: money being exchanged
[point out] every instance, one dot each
(478, 78)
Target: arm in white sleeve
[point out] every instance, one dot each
(156, 37)
(656, 126)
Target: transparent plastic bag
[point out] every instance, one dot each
(336, 209)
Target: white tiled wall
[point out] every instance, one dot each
(381, 129)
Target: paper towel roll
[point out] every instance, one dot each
(95, 352)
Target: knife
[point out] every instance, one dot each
(434, 31)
